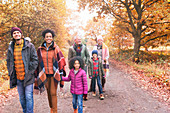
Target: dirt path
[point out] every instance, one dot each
(122, 96)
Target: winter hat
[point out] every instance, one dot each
(99, 37)
(28, 38)
(94, 52)
(15, 29)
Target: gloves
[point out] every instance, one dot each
(85, 97)
(35, 84)
(61, 76)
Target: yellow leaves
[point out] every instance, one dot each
(136, 59)
(4, 84)
(3, 71)
(32, 17)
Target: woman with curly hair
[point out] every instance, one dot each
(78, 79)
(51, 67)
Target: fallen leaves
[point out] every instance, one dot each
(158, 85)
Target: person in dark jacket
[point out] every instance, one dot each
(96, 72)
(22, 61)
(79, 49)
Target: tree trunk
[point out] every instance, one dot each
(136, 49)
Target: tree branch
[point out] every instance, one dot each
(130, 16)
(118, 17)
(148, 35)
(153, 39)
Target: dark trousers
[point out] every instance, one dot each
(98, 83)
(103, 83)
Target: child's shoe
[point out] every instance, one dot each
(94, 94)
(51, 110)
(101, 97)
(75, 110)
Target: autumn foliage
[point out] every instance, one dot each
(152, 72)
(146, 21)
(32, 16)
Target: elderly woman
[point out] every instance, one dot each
(51, 67)
(103, 52)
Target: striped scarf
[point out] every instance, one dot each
(19, 64)
(95, 67)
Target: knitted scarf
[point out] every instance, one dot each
(78, 49)
(105, 55)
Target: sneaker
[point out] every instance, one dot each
(83, 105)
(101, 97)
(94, 94)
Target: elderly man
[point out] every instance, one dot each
(79, 49)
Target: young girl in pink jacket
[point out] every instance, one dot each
(78, 79)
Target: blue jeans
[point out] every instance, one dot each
(26, 96)
(98, 83)
(78, 99)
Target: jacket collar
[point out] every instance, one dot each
(78, 70)
(52, 46)
(26, 43)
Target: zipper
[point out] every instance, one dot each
(74, 82)
(47, 62)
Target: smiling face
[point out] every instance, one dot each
(48, 38)
(78, 40)
(76, 65)
(16, 35)
(95, 56)
(99, 41)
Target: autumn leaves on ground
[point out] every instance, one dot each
(136, 32)
(128, 90)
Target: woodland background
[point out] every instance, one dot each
(136, 31)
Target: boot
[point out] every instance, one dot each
(75, 110)
(101, 97)
(93, 94)
(51, 110)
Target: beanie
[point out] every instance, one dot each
(94, 52)
(15, 29)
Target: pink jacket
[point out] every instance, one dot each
(78, 82)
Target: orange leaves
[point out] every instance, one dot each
(32, 16)
(3, 71)
(152, 72)
(150, 77)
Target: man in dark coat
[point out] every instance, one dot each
(22, 61)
